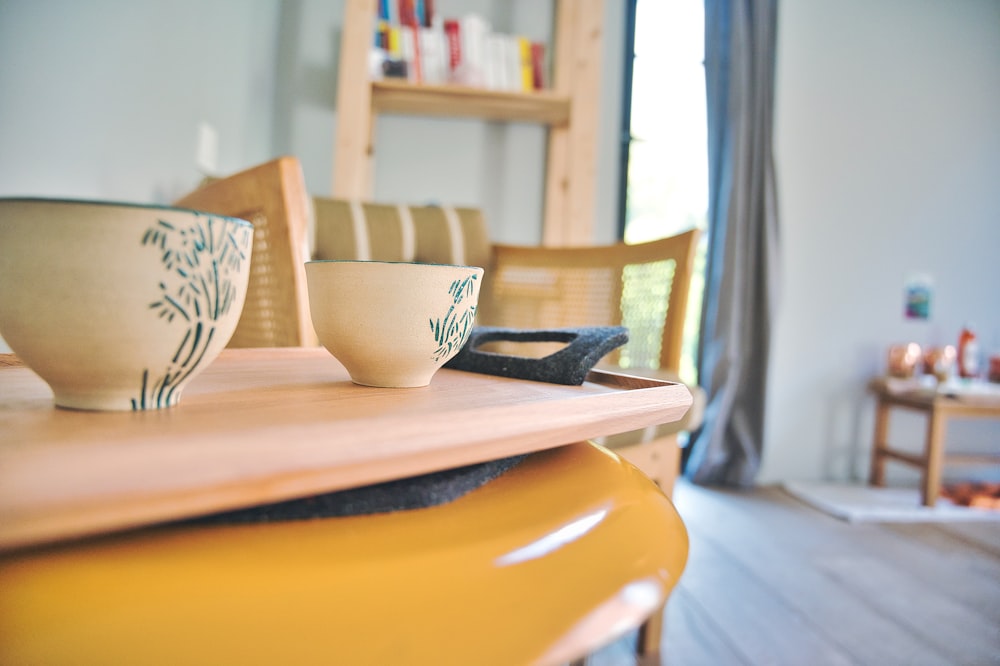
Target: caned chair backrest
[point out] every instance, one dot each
(272, 196)
(643, 287)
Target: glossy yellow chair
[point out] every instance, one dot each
(568, 550)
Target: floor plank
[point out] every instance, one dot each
(770, 580)
(744, 604)
(956, 564)
(696, 637)
(955, 630)
(986, 540)
(782, 545)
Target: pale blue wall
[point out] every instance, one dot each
(103, 98)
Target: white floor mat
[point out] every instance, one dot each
(862, 503)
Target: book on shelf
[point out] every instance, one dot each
(409, 41)
(414, 44)
(454, 43)
(527, 79)
(495, 73)
(471, 70)
(388, 11)
(538, 65)
(434, 52)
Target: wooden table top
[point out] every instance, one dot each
(970, 398)
(261, 426)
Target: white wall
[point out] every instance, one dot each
(888, 157)
(102, 99)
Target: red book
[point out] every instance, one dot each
(451, 32)
(418, 58)
(406, 12)
(538, 65)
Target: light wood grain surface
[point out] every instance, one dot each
(267, 425)
(541, 106)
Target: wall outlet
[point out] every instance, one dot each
(206, 156)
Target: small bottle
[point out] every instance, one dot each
(968, 353)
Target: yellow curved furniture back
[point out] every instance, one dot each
(540, 566)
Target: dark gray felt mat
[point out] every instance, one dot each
(399, 495)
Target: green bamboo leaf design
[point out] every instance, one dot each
(199, 262)
(452, 330)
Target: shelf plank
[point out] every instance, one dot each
(543, 107)
(260, 426)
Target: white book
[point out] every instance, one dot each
(473, 32)
(495, 69)
(512, 63)
(434, 52)
(409, 52)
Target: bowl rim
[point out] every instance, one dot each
(121, 204)
(401, 263)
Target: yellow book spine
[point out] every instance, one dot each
(527, 74)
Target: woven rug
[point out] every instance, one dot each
(862, 503)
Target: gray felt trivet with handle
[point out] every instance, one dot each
(570, 365)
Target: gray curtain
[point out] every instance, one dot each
(741, 272)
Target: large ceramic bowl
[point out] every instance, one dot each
(392, 324)
(117, 306)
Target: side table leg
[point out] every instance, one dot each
(879, 443)
(933, 456)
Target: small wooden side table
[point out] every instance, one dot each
(939, 406)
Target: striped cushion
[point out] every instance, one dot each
(351, 229)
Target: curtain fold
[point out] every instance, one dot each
(741, 274)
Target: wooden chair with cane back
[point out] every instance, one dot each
(272, 196)
(642, 286)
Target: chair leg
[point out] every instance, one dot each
(671, 464)
(647, 647)
(659, 459)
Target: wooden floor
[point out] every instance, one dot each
(772, 581)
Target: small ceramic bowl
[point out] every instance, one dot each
(392, 324)
(116, 305)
